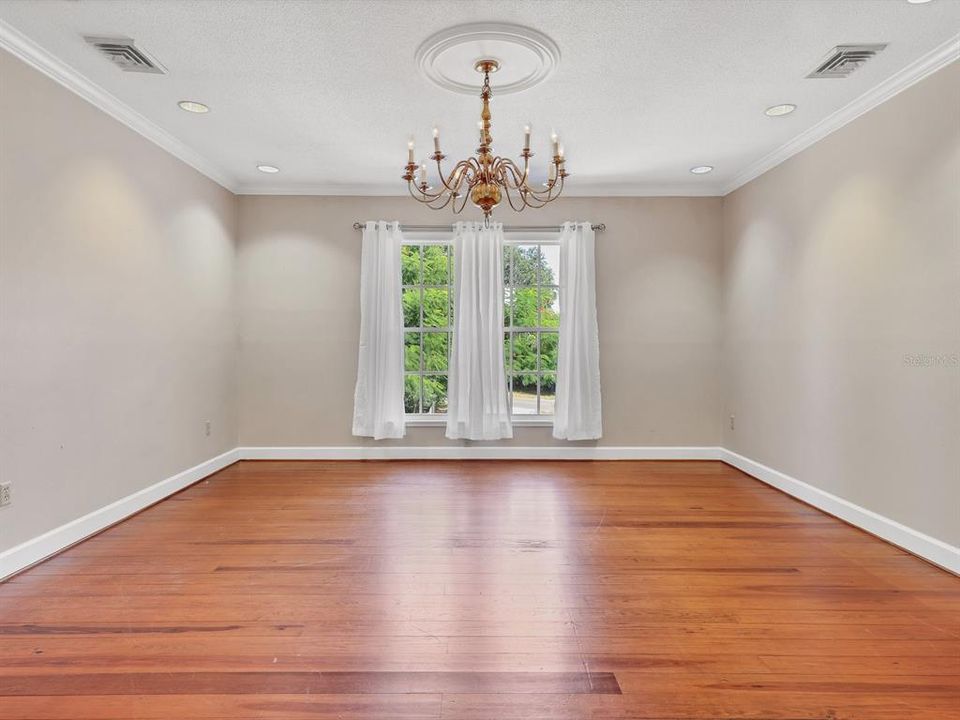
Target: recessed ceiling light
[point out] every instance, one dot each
(701, 169)
(779, 110)
(193, 106)
(918, 2)
(268, 168)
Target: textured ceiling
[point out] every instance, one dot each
(328, 90)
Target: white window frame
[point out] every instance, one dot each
(445, 237)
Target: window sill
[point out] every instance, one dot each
(526, 421)
(518, 421)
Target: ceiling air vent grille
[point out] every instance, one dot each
(844, 59)
(125, 55)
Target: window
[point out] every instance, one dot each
(427, 277)
(531, 320)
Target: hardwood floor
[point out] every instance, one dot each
(479, 591)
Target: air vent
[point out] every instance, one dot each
(844, 59)
(125, 55)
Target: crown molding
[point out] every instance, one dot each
(22, 47)
(913, 73)
(600, 189)
(399, 190)
(336, 189)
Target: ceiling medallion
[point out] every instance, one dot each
(485, 179)
(528, 56)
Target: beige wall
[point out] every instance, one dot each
(658, 265)
(838, 265)
(117, 319)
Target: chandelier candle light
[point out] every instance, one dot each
(485, 179)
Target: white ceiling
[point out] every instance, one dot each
(329, 91)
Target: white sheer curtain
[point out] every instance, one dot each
(477, 405)
(577, 413)
(378, 397)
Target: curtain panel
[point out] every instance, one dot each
(577, 411)
(378, 397)
(477, 405)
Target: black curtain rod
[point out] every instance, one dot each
(598, 227)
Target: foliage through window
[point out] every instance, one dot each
(427, 279)
(531, 321)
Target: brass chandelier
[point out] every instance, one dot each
(485, 179)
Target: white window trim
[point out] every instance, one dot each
(445, 237)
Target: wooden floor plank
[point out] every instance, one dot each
(328, 682)
(412, 706)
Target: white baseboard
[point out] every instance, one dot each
(936, 551)
(481, 452)
(39, 548)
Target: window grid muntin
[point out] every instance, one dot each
(422, 330)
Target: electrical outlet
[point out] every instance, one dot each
(5, 498)
(733, 422)
(206, 427)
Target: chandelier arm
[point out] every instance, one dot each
(509, 194)
(542, 198)
(413, 193)
(434, 201)
(448, 198)
(561, 176)
(463, 203)
(510, 172)
(436, 205)
(420, 195)
(557, 185)
(452, 182)
(506, 172)
(535, 203)
(539, 198)
(431, 196)
(526, 187)
(545, 196)
(526, 166)
(475, 167)
(443, 180)
(471, 171)
(540, 195)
